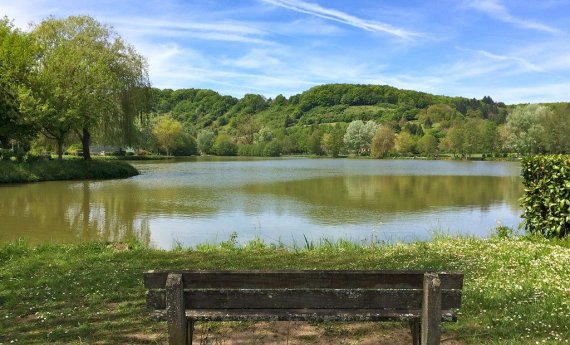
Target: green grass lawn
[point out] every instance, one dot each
(516, 290)
(12, 172)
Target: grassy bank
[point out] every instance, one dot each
(12, 172)
(516, 290)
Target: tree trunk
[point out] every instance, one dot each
(86, 142)
(60, 149)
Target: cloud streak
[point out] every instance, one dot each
(342, 17)
(498, 11)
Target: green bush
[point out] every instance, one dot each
(225, 147)
(253, 150)
(272, 149)
(546, 201)
(187, 147)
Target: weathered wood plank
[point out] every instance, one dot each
(303, 298)
(175, 311)
(415, 329)
(306, 315)
(431, 310)
(328, 279)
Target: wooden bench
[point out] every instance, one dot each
(424, 299)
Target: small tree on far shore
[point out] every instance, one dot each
(168, 133)
(383, 142)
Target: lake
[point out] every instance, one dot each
(288, 200)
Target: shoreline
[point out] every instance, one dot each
(13, 173)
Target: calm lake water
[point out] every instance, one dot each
(278, 200)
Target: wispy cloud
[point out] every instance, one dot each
(523, 64)
(342, 17)
(497, 10)
(220, 31)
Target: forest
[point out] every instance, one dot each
(73, 83)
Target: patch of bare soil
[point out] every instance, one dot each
(294, 333)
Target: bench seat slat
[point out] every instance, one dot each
(303, 298)
(306, 315)
(327, 279)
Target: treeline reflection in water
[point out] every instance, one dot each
(127, 209)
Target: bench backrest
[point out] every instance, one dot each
(401, 290)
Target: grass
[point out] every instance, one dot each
(12, 172)
(516, 289)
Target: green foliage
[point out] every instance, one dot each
(383, 142)
(224, 146)
(187, 147)
(314, 142)
(405, 143)
(546, 201)
(252, 150)
(263, 149)
(332, 142)
(263, 136)
(359, 135)
(556, 129)
(525, 130)
(86, 79)
(205, 141)
(168, 133)
(17, 52)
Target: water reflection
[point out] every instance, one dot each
(391, 194)
(69, 212)
(198, 201)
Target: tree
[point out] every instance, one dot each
(359, 135)
(427, 145)
(224, 146)
(17, 53)
(205, 141)
(168, 133)
(525, 129)
(263, 136)
(332, 142)
(314, 143)
(405, 143)
(383, 142)
(246, 130)
(90, 77)
(187, 147)
(556, 129)
(453, 140)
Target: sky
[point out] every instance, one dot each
(512, 50)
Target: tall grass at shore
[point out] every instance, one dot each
(516, 290)
(12, 172)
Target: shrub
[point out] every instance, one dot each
(186, 147)
(255, 150)
(272, 149)
(546, 201)
(224, 146)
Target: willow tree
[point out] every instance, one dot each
(16, 60)
(90, 80)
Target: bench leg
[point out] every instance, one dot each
(190, 331)
(431, 310)
(415, 328)
(176, 311)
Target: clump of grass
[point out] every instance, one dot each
(12, 172)
(516, 289)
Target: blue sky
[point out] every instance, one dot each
(515, 51)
